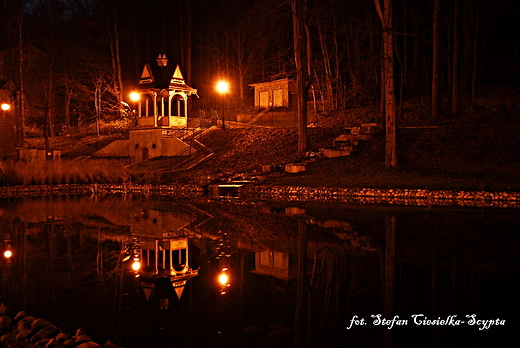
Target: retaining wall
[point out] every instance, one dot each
(406, 197)
(188, 191)
(410, 197)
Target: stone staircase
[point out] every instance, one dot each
(345, 144)
(202, 152)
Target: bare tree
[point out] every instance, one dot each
(385, 15)
(300, 40)
(436, 62)
(455, 62)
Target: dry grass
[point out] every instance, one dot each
(63, 172)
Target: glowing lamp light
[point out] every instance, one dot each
(222, 87)
(8, 254)
(223, 279)
(134, 96)
(6, 106)
(136, 266)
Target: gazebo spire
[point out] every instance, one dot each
(162, 61)
(177, 75)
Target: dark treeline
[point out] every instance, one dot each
(81, 58)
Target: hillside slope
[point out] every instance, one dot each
(437, 158)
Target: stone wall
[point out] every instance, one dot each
(404, 197)
(185, 191)
(410, 197)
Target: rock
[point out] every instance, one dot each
(21, 315)
(69, 342)
(23, 335)
(333, 153)
(89, 345)
(49, 331)
(40, 323)
(80, 332)
(294, 168)
(6, 338)
(110, 344)
(25, 323)
(266, 168)
(51, 343)
(83, 338)
(62, 337)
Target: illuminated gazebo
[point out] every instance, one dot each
(164, 96)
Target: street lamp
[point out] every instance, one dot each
(222, 88)
(6, 107)
(223, 279)
(135, 97)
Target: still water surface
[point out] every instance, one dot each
(257, 274)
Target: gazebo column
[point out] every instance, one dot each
(170, 252)
(155, 110)
(185, 107)
(156, 256)
(162, 106)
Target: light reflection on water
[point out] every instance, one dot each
(294, 275)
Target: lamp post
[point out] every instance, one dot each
(135, 97)
(6, 107)
(222, 88)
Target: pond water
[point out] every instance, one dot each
(261, 274)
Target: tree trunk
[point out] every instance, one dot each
(474, 74)
(119, 75)
(48, 109)
(389, 82)
(97, 105)
(389, 273)
(329, 98)
(68, 98)
(20, 136)
(436, 63)
(188, 44)
(113, 34)
(302, 287)
(301, 96)
(455, 71)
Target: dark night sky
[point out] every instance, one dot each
(257, 34)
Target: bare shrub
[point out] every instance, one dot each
(63, 172)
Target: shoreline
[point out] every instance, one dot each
(398, 197)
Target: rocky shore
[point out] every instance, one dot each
(24, 330)
(405, 197)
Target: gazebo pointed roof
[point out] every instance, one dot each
(164, 76)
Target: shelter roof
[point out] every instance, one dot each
(270, 80)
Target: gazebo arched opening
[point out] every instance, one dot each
(164, 96)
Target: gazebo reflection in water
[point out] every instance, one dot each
(162, 248)
(166, 258)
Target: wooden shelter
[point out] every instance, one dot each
(273, 94)
(164, 96)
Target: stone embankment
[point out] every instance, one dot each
(187, 191)
(410, 197)
(28, 331)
